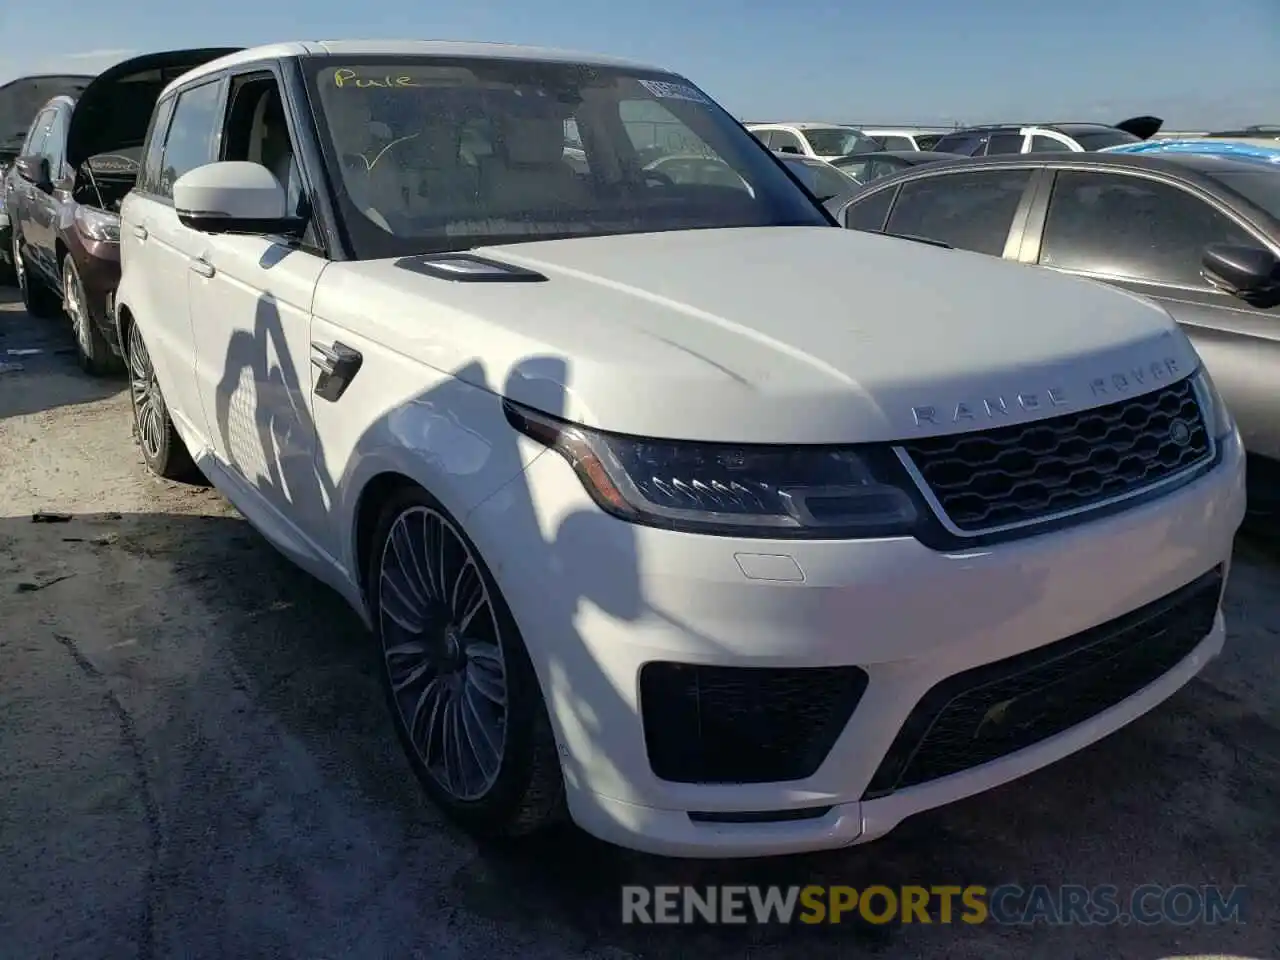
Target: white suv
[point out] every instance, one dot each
(824, 141)
(637, 538)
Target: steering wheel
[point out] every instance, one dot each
(654, 176)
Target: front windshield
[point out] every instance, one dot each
(1261, 186)
(839, 141)
(431, 154)
(1101, 139)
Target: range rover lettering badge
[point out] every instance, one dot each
(989, 408)
(1180, 432)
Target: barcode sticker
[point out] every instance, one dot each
(674, 91)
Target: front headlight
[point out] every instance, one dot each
(98, 224)
(774, 492)
(1216, 413)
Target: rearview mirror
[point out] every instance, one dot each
(1250, 273)
(35, 170)
(233, 196)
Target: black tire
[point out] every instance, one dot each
(94, 354)
(162, 449)
(37, 298)
(527, 788)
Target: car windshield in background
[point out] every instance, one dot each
(819, 178)
(837, 141)
(870, 167)
(437, 154)
(1261, 187)
(1101, 139)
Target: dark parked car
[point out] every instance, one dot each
(820, 178)
(1001, 138)
(865, 167)
(80, 158)
(20, 101)
(1199, 234)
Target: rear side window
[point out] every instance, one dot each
(1004, 143)
(927, 141)
(965, 144)
(895, 141)
(969, 211)
(786, 141)
(1131, 227)
(868, 213)
(197, 119)
(1043, 144)
(149, 176)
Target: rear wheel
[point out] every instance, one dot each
(92, 350)
(38, 299)
(162, 449)
(466, 701)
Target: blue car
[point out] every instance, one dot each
(1240, 150)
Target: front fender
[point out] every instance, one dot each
(401, 416)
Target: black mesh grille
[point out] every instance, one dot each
(991, 711)
(744, 724)
(1027, 472)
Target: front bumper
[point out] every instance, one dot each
(598, 599)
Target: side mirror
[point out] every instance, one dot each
(233, 196)
(1250, 273)
(35, 170)
(789, 149)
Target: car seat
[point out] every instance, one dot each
(528, 170)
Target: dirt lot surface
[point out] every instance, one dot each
(197, 763)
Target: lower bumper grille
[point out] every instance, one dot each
(996, 709)
(706, 724)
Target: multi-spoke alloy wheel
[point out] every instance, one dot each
(148, 401)
(162, 449)
(464, 694)
(95, 355)
(442, 645)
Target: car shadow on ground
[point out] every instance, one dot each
(1186, 794)
(38, 370)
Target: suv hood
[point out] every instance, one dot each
(114, 110)
(21, 100)
(769, 335)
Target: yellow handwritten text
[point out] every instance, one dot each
(349, 78)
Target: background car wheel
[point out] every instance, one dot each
(163, 450)
(92, 350)
(38, 299)
(463, 693)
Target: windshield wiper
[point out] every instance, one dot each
(919, 239)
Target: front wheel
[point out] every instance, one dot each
(162, 449)
(92, 350)
(466, 701)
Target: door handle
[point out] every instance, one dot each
(338, 365)
(140, 232)
(203, 267)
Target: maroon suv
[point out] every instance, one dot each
(81, 156)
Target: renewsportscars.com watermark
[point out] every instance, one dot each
(1007, 905)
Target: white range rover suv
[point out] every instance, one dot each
(643, 537)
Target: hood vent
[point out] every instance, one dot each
(468, 268)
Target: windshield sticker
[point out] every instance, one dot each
(674, 91)
(349, 78)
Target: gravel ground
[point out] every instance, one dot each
(196, 760)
